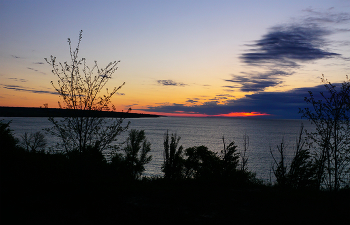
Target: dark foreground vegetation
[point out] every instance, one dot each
(49, 188)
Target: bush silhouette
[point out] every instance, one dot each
(301, 173)
(173, 165)
(229, 159)
(7, 140)
(131, 163)
(201, 163)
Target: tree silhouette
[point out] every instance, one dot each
(173, 166)
(34, 141)
(80, 88)
(229, 158)
(300, 173)
(331, 116)
(131, 163)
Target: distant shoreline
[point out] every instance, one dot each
(54, 112)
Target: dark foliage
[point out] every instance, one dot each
(7, 140)
(229, 159)
(173, 166)
(81, 188)
(201, 163)
(301, 173)
(131, 163)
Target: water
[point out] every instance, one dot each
(263, 135)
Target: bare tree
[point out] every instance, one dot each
(80, 88)
(34, 141)
(243, 155)
(330, 114)
(280, 168)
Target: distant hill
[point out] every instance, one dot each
(52, 112)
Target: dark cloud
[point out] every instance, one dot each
(286, 47)
(253, 84)
(40, 63)
(16, 57)
(289, 45)
(21, 88)
(191, 101)
(170, 83)
(257, 81)
(277, 104)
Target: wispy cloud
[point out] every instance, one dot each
(218, 98)
(256, 81)
(328, 16)
(224, 95)
(30, 68)
(286, 47)
(18, 79)
(39, 63)
(26, 89)
(16, 57)
(192, 100)
(129, 106)
(170, 83)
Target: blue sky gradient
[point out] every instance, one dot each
(180, 57)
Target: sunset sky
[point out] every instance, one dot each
(180, 57)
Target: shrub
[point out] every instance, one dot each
(131, 163)
(173, 166)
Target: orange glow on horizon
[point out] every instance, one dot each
(243, 114)
(178, 114)
(183, 114)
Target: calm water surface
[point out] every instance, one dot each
(263, 135)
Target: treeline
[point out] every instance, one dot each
(53, 112)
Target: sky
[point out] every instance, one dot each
(183, 57)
